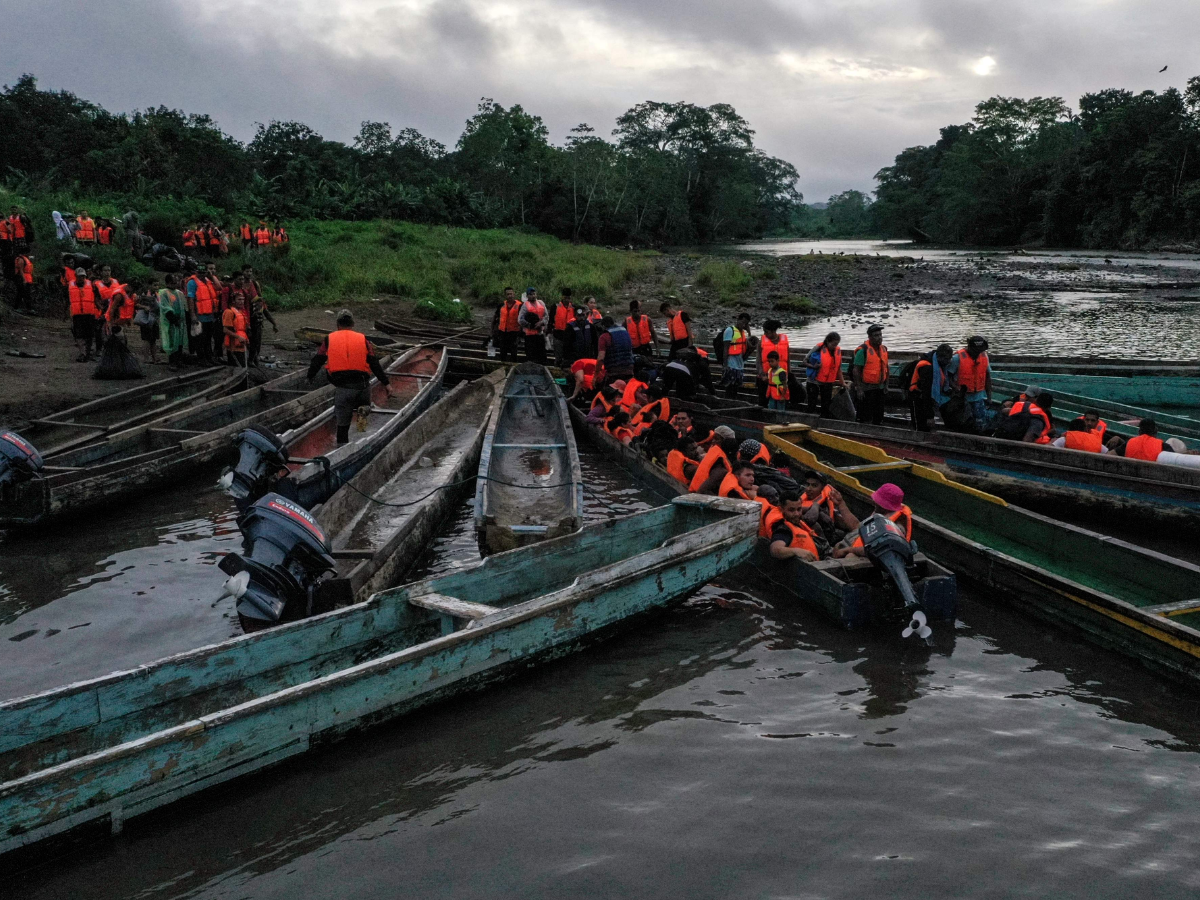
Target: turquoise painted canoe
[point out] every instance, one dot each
(101, 751)
(1140, 602)
(1156, 391)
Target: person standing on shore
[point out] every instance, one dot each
(533, 323)
(737, 344)
(236, 325)
(869, 373)
(508, 326)
(824, 370)
(582, 337)
(772, 341)
(971, 374)
(594, 315)
(679, 329)
(82, 308)
(641, 330)
(564, 315)
(172, 321)
(23, 270)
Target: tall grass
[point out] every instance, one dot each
(727, 277)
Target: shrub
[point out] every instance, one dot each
(800, 305)
(726, 277)
(442, 310)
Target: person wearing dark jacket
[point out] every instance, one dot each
(581, 339)
(350, 360)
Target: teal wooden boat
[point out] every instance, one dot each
(91, 421)
(1163, 392)
(530, 487)
(1118, 595)
(851, 591)
(108, 749)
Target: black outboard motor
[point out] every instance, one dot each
(887, 548)
(285, 557)
(261, 456)
(19, 461)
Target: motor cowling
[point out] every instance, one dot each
(285, 557)
(887, 547)
(261, 457)
(19, 461)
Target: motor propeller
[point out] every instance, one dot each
(235, 585)
(225, 482)
(918, 627)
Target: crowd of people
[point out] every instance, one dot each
(197, 315)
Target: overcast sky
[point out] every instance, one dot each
(836, 87)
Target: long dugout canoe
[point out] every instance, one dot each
(1139, 602)
(416, 378)
(849, 591)
(1032, 475)
(153, 453)
(105, 750)
(91, 421)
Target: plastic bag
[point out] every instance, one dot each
(842, 407)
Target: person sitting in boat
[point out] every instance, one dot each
(739, 482)
(683, 423)
(683, 460)
(634, 396)
(791, 537)
(889, 503)
(617, 424)
(1092, 421)
(641, 424)
(583, 373)
(825, 509)
(350, 360)
(717, 462)
(1079, 437)
(657, 440)
(603, 403)
(753, 452)
(1147, 445)
(768, 498)
(1029, 421)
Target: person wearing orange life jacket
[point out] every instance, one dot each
(717, 462)
(869, 375)
(202, 308)
(105, 286)
(262, 236)
(190, 238)
(508, 326)
(754, 452)
(85, 228)
(350, 360)
(247, 234)
(656, 402)
(617, 424)
(1079, 437)
(823, 369)
(1146, 445)
(739, 482)
(104, 233)
(889, 503)
(1092, 421)
(683, 460)
(235, 323)
(121, 302)
(737, 344)
(564, 315)
(929, 387)
(634, 395)
(533, 324)
(790, 535)
(772, 341)
(679, 329)
(1029, 421)
(971, 373)
(641, 331)
(20, 231)
(23, 272)
(583, 374)
(280, 235)
(594, 314)
(824, 508)
(82, 308)
(777, 384)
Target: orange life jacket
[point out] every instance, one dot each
(588, 367)
(825, 498)
(660, 407)
(106, 290)
(831, 365)
(247, 234)
(510, 317)
(766, 345)
(875, 366)
(189, 238)
(16, 228)
(1034, 410)
(620, 432)
(120, 306)
(206, 296)
(639, 331)
(1088, 441)
(730, 488)
(629, 398)
(972, 373)
(802, 536)
(262, 236)
(5, 232)
(83, 299)
(737, 346)
(599, 400)
(280, 236)
(564, 315)
(595, 316)
(241, 325)
(346, 351)
(763, 456)
(903, 520)
(24, 268)
(105, 233)
(1144, 446)
(678, 327)
(914, 386)
(86, 231)
(538, 307)
(777, 384)
(676, 460)
(714, 454)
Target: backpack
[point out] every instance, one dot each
(906, 374)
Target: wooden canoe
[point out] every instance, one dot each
(850, 591)
(1156, 391)
(98, 418)
(1042, 478)
(418, 331)
(154, 453)
(102, 751)
(416, 379)
(1116, 594)
(380, 519)
(530, 486)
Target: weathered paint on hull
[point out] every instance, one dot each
(117, 782)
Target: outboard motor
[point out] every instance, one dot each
(19, 461)
(285, 555)
(261, 456)
(887, 548)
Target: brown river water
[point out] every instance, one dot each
(736, 745)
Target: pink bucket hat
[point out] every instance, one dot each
(618, 385)
(889, 497)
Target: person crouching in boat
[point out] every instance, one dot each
(1079, 437)
(790, 536)
(583, 373)
(683, 460)
(1092, 421)
(889, 503)
(350, 360)
(617, 424)
(824, 508)
(1029, 420)
(717, 462)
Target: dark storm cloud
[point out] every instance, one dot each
(835, 86)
